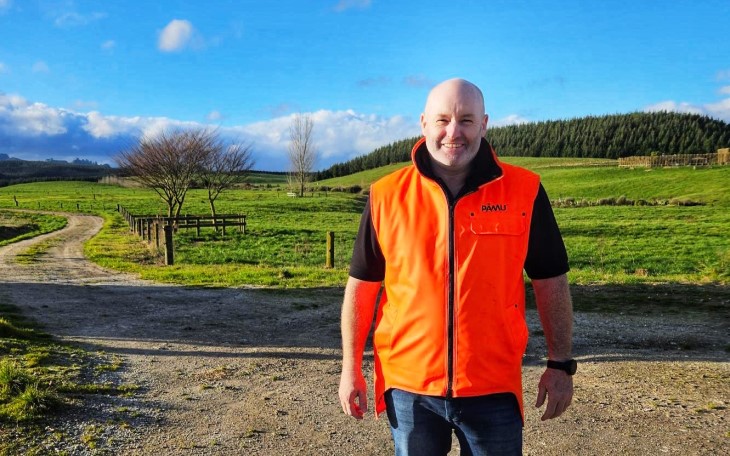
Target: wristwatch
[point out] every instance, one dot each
(569, 366)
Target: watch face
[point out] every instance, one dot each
(572, 366)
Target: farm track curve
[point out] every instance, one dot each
(247, 371)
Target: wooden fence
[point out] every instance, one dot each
(722, 157)
(157, 231)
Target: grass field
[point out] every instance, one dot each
(16, 226)
(285, 241)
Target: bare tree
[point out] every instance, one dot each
(225, 164)
(302, 152)
(167, 163)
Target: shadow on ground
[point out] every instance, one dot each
(284, 323)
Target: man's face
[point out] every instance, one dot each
(453, 123)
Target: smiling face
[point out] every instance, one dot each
(453, 123)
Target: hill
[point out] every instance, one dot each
(15, 171)
(609, 137)
(596, 178)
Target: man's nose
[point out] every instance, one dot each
(452, 129)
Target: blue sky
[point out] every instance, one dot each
(85, 78)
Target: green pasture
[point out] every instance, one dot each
(15, 226)
(284, 245)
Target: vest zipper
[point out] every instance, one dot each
(452, 201)
(450, 331)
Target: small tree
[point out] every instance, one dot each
(167, 163)
(224, 165)
(302, 152)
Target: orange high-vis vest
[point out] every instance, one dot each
(451, 320)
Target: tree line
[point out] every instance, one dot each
(609, 136)
(15, 171)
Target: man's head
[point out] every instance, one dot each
(453, 123)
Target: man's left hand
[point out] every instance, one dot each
(557, 386)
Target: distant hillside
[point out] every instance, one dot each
(610, 136)
(15, 171)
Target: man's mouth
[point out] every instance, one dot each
(452, 145)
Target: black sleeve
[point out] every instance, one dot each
(367, 261)
(546, 255)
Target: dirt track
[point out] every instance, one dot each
(242, 371)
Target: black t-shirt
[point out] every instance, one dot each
(546, 255)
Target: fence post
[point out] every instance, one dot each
(330, 261)
(169, 260)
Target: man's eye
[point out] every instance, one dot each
(467, 121)
(442, 122)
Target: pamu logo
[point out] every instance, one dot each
(494, 207)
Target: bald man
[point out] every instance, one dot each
(448, 238)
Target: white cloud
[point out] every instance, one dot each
(339, 135)
(720, 110)
(40, 67)
(512, 119)
(343, 5)
(673, 106)
(724, 90)
(214, 116)
(108, 45)
(99, 126)
(19, 117)
(176, 35)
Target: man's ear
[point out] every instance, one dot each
(423, 124)
(484, 124)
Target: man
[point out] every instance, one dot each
(449, 237)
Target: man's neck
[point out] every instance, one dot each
(453, 178)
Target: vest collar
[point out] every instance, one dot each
(485, 166)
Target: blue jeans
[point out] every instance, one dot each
(485, 425)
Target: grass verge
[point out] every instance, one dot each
(39, 379)
(16, 226)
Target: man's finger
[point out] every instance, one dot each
(541, 393)
(550, 409)
(362, 400)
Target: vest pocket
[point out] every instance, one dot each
(505, 225)
(517, 328)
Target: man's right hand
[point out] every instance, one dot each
(353, 394)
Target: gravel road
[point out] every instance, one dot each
(255, 372)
